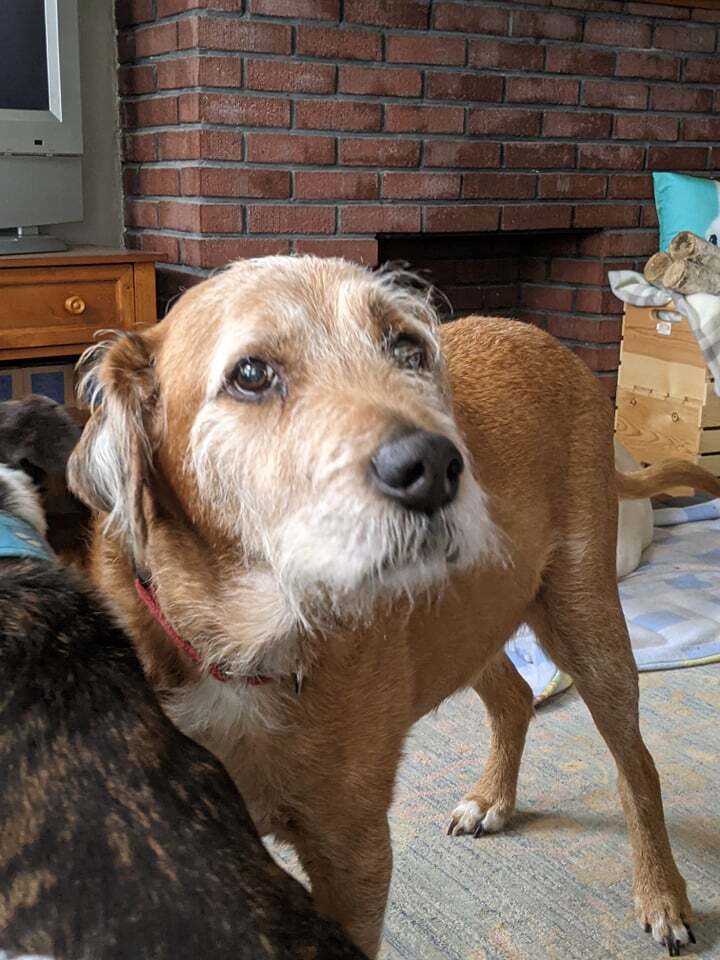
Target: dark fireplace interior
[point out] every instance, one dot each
(544, 278)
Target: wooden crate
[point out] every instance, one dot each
(666, 404)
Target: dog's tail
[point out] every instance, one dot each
(663, 475)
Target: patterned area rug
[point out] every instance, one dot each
(556, 884)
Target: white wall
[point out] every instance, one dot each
(102, 182)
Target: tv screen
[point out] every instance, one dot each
(23, 55)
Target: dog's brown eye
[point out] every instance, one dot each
(408, 353)
(253, 376)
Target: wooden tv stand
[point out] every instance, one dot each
(51, 304)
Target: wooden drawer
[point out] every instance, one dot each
(63, 306)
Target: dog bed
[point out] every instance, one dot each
(671, 602)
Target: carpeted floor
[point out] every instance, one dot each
(556, 884)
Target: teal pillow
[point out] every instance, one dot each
(687, 203)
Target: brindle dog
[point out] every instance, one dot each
(119, 837)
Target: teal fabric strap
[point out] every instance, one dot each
(18, 538)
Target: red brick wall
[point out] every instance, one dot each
(256, 126)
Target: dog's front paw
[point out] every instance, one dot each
(470, 818)
(668, 925)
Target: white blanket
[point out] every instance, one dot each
(671, 602)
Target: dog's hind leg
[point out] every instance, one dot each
(580, 623)
(509, 703)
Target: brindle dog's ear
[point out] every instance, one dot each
(112, 464)
(36, 435)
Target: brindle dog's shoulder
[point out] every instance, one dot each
(121, 838)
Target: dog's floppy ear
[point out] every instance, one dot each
(111, 466)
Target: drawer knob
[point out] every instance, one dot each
(75, 305)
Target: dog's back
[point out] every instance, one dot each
(120, 837)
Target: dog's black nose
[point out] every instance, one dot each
(420, 470)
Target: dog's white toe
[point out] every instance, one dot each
(669, 934)
(468, 818)
(493, 821)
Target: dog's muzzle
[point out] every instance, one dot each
(418, 469)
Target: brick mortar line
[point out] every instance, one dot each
(541, 43)
(244, 93)
(187, 235)
(647, 19)
(477, 138)
(546, 44)
(213, 164)
(346, 26)
(178, 53)
(374, 99)
(199, 126)
(576, 13)
(380, 100)
(580, 11)
(508, 5)
(412, 201)
(408, 201)
(185, 163)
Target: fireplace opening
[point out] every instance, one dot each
(552, 279)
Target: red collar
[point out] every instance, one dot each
(147, 595)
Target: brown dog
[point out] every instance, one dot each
(326, 545)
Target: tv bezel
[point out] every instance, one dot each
(58, 129)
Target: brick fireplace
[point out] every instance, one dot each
(503, 147)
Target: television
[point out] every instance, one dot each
(40, 122)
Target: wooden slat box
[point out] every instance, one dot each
(666, 404)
